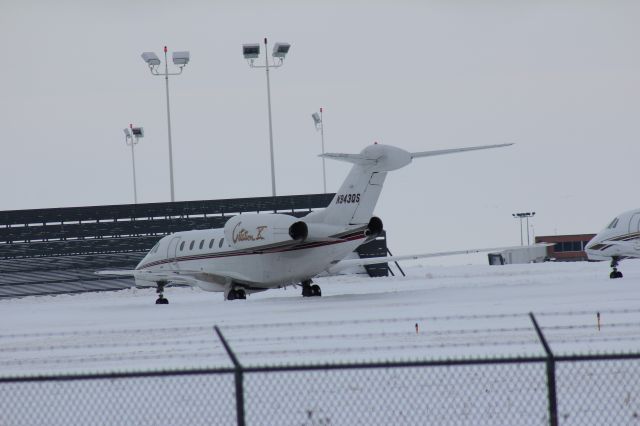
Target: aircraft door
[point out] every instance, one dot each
(634, 223)
(172, 250)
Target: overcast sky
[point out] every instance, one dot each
(560, 79)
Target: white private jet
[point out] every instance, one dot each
(257, 252)
(619, 240)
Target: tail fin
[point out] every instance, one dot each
(356, 199)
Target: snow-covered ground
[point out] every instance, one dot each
(462, 311)
(472, 311)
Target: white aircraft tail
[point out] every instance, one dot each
(356, 199)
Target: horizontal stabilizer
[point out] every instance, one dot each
(455, 150)
(350, 158)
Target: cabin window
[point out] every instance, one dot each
(182, 246)
(211, 243)
(191, 245)
(221, 242)
(201, 244)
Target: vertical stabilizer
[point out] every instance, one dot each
(356, 199)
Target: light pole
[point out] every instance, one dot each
(521, 216)
(181, 59)
(131, 139)
(317, 119)
(251, 53)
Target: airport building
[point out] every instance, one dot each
(566, 248)
(561, 248)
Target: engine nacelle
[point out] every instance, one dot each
(251, 230)
(375, 227)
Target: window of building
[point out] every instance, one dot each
(211, 243)
(191, 245)
(201, 244)
(568, 246)
(221, 242)
(182, 246)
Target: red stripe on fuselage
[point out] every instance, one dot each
(204, 256)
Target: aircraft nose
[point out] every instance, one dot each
(592, 242)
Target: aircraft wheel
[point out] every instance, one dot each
(231, 295)
(615, 274)
(619, 274)
(307, 291)
(240, 294)
(162, 301)
(315, 290)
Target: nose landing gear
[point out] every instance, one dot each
(160, 290)
(615, 273)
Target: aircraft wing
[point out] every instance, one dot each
(194, 278)
(348, 263)
(175, 277)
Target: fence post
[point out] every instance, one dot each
(238, 378)
(551, 374)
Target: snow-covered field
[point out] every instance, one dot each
(461, 311)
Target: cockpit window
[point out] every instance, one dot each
(613, 223)
(155, 248)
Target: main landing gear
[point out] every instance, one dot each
(160, 290)
(310, 290)
(236, 293)
(615, 273)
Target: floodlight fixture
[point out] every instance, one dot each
(280, 50)
(317, 120)
(132, 134)
(138, 132)
(181, 58)
(251, 51)
(523, 215)
(151, 59)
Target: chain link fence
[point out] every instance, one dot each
(538, 390)
(602, 390)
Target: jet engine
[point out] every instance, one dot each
(374, 228)
(252, 230)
